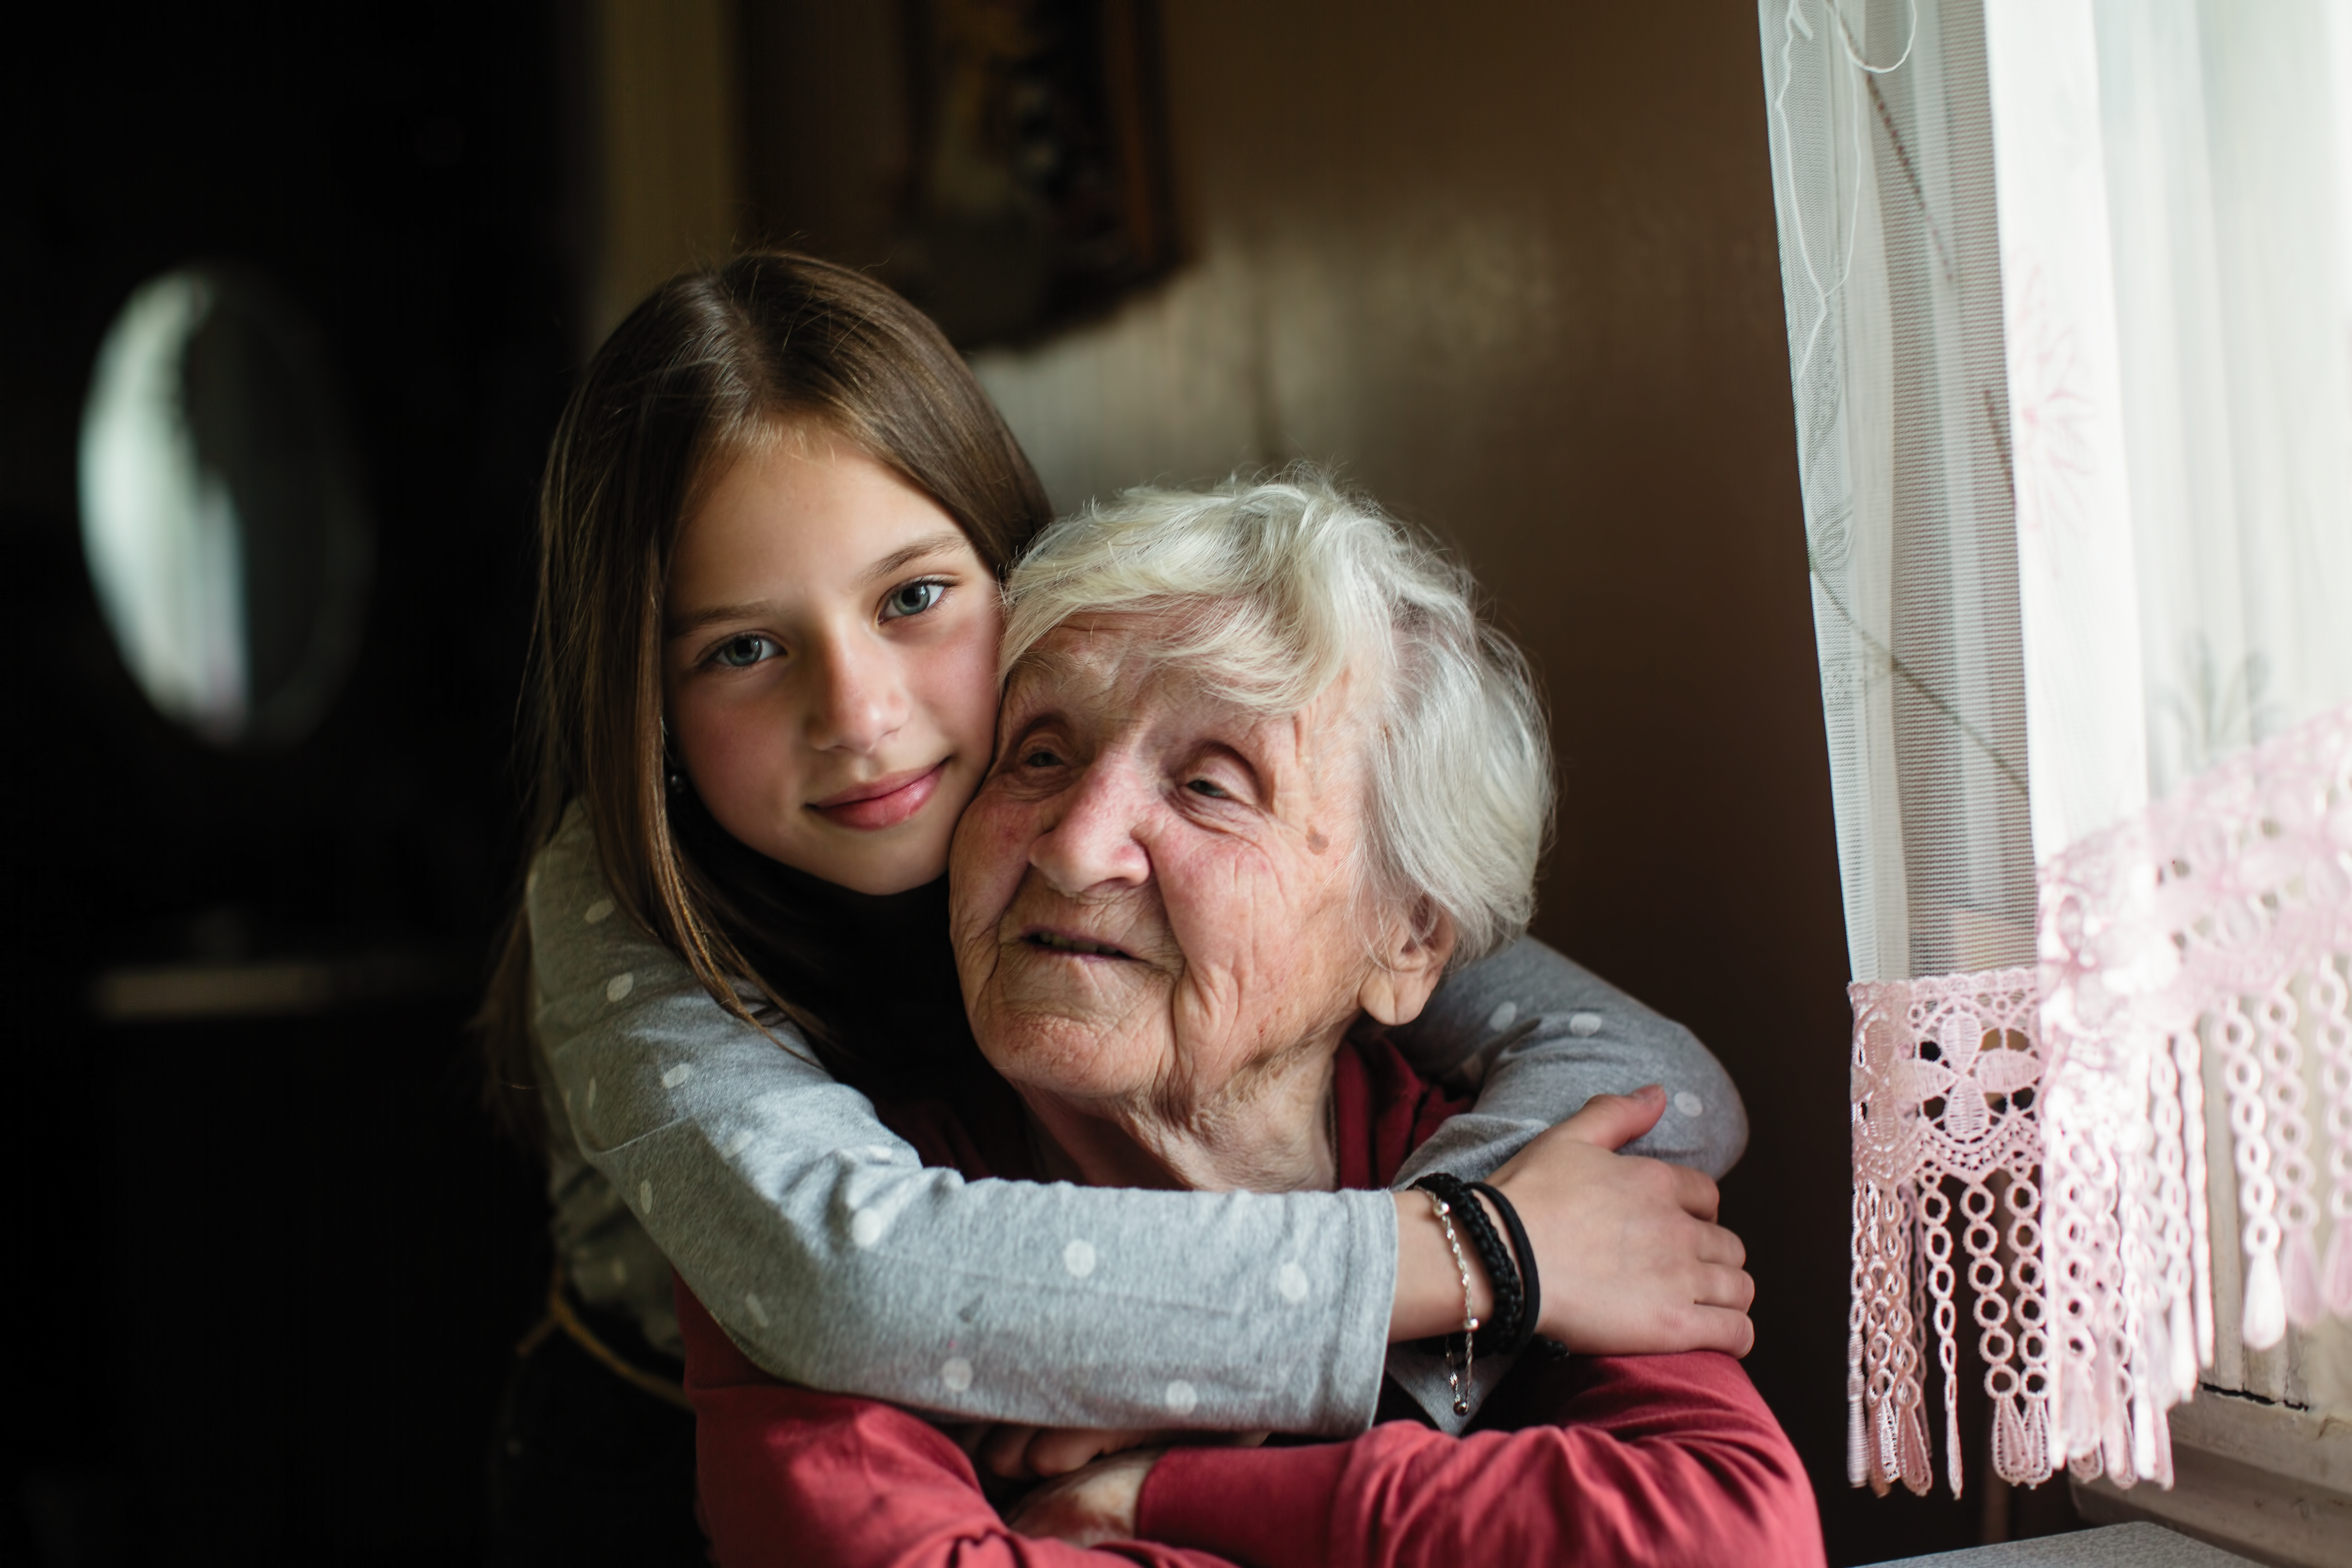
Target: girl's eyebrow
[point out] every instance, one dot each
(716, 613)
(899, 560)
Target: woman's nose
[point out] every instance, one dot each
(1094, 838)
(858, 701)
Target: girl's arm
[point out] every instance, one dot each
(1548, 1035)
(818, 1240)
(835, 1261)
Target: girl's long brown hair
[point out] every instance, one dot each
(715, 361)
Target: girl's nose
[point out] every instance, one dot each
(859, 700)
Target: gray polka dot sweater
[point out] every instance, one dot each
(682, 1136)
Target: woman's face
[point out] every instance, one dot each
(829, 663)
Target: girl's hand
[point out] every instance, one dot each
(1629, 1254)
(1090, 1506)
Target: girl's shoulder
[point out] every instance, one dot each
(595, 965)
(579, 938)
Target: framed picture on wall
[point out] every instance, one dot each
(1039, 192)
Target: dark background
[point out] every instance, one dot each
(1512, 261)
(266, 1275)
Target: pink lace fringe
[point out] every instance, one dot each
(2054, 1119)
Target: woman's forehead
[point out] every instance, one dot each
(1112, 672)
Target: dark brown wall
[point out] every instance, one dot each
(1513, 263)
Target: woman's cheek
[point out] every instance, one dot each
(989, 852)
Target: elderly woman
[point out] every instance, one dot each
(1262, 778)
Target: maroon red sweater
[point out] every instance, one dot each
(1655, 1461)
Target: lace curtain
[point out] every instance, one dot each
(2069, 289)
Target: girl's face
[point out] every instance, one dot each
(829, 663)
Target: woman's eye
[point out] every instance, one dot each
(1040, 757)
(742, 652)
(912, 599)
(1209, 787)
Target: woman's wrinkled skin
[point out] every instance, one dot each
(1162, 921)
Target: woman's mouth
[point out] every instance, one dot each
(884, 803)
(1050, 940)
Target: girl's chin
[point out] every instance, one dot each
(875, 868)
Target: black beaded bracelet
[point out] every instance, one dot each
(1530, 1285)
(1503, 1325)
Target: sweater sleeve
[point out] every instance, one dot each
(1544, 1036)
(794, 1479)
(836, 1260)
(1655, 1461)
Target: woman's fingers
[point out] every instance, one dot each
(1004, 1450)
(1041, 1453)
(1090, 1506)
(1058, 1450)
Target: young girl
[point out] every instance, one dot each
(775, 515)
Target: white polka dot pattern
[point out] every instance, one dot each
(1500, 1018)
(1182, 1398)
(677, 1074)
(1688, 1104)
(644, 1197)
(757, 1308)
(620, 986)
(1078, 1257)
(1291, 1281)
(597, 913)
(956, 1374)
(1584, 1023)
(739, 1141)
(866, 1227)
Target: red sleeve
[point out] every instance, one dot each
(789, 1476)
(1659, 1461)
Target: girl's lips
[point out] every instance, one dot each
(885, 802)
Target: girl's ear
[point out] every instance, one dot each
(1408, 960)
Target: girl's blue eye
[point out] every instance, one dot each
(743, 652)
(912, 599)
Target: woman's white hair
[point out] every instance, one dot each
(1268, 593)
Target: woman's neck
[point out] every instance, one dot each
(1271, 1135)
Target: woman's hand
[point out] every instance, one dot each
(1629, 1254)
(1089, 1506)
(1018, 1453)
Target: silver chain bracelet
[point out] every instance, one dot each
(1459, 1380)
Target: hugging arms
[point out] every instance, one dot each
(761, 1165)
(1178, 940)
(717, 942)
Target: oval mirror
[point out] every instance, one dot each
(220, 512)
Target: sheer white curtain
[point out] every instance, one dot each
(2070, 305)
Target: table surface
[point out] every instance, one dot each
(2139, 1545)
